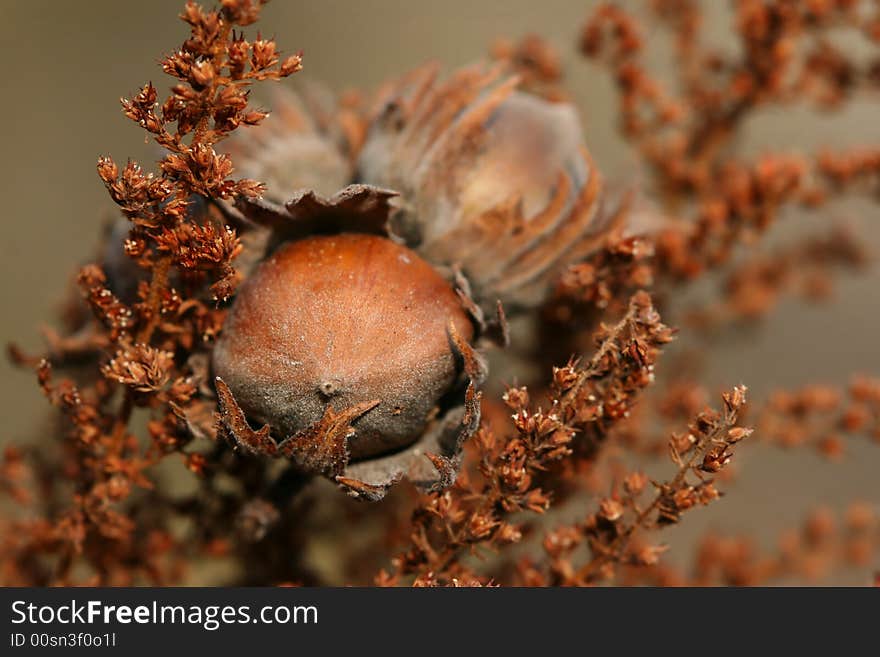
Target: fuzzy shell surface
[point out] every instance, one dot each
(339, 320)
(297, 148)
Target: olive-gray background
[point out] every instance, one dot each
(66, 64)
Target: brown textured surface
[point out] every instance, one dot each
(341, 320)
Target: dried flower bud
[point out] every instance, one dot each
(141, 367)
(610, 509)
(736, 434)
(516, 398)
(344, 322)
(565, 377)
(736, 399)
(648, 555)
(634, 483)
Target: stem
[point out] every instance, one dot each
(593, 366)
(158, 284)
(121, 423)
(619, 544)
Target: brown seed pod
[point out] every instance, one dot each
(491, 179)
(357, 350)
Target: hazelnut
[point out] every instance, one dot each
(342, 321)
(492, 179)
(301, 148)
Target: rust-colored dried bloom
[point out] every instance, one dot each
(357, 325)
(587, 400)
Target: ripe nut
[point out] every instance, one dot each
(349, 340)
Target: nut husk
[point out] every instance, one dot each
(491, 179)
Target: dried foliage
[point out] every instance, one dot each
(159, 470)
(585, 402)
(610, 532)
(822, 416)
(536, 62)
(149, 347)
(805, 269)
(825, 542)
(687, 132)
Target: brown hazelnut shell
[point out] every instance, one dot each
(339, 321)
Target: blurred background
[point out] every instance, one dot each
(67, 64)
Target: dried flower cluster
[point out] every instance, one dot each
(687, 134)
(383, 238)
(585, 401)
(536, 62)
(822, 544)
(822, 416)
(149, 348)
(610, 533)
